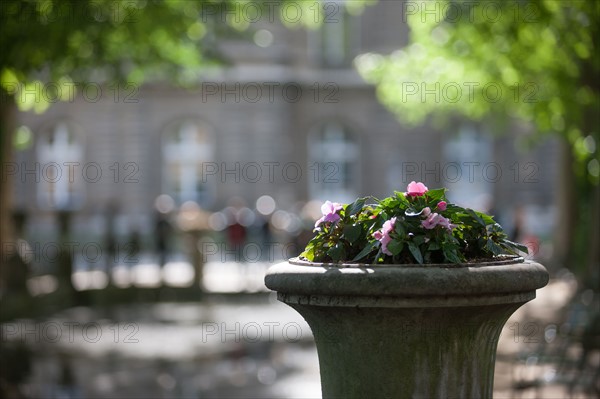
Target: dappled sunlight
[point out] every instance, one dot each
(157, 158)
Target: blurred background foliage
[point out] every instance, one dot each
(133, 41)
(535, 61)
(541, 57)
(68, 43)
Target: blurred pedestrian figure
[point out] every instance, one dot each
(133, 248)
(110, 238)
(67, 384)
(516, 233)
(236, 237)
(65, 259)
(520, 234)
(236, 230)
(263, 224)
(192, 221)
(162, 231)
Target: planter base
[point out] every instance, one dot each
(406, 332)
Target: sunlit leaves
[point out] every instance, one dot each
(101, 41)
(535, 60)
(355, 207)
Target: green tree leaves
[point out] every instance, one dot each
(535, 60)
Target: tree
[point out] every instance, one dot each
(537, 61)
(52, 47)
(48, 47)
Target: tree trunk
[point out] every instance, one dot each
(566, 207)
(7, 121)
(593, 258)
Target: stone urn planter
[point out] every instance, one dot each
(406, 331)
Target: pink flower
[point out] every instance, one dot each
(388, 226)
(415, 189)
(442, 205)
(434, 220)
(383, 235)
(329, 210)
(430, 222)
(426, 211)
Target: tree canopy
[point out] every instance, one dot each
(537, 61)
(66, 42)
(51, 47)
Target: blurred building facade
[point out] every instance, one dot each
(288, 117)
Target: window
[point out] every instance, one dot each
(333, 164)
(187, 148)
(337, 40)
(469, 170)
(59, 155)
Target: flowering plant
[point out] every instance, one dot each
(419, 226)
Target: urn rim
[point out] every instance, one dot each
(499, 260)
(510, 276)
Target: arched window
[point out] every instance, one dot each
(59, 154)
(187, 150)
(333, 163)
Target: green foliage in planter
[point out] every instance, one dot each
(418, 226)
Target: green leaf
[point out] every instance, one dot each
(495, 228)
(366, 250)
(493, 247)
(416, 253)
(451, 208)
(419, 239)
(437, 194)
(401, 198)
(352, 232)
(487, 219)
(475, 216)
(451, 255)
(515, 245)
(400, 229)
(433, 246)
(377, 256)
(355, 207)
(337, 252)
(387, 202)
(309, 252)
(395, 247)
